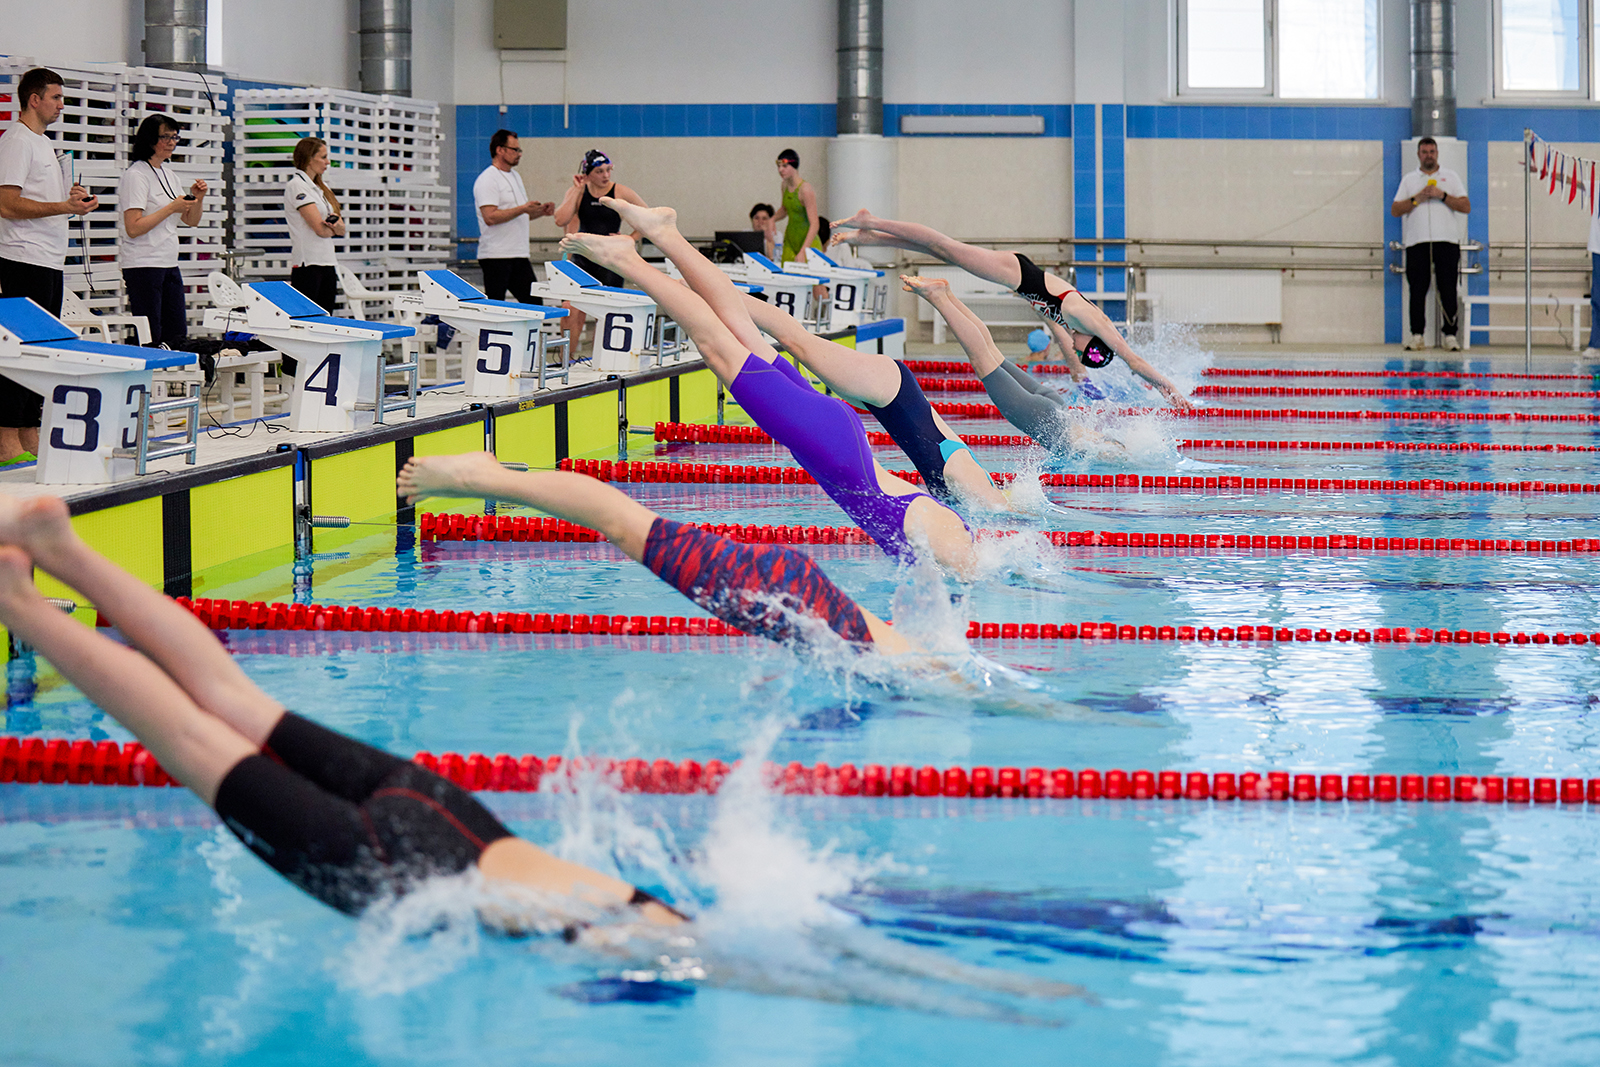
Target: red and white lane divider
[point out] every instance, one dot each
(1381, 446)
(1289, 390)
(703, 433)
(1292, 372)
(457, 527)
(1328, 414)
(259, 615)
(58, 761)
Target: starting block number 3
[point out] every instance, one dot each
(79, 427)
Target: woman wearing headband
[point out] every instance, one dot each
(580, 211)
(1078, 326)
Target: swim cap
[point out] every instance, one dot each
(1038, 340)
(592, 159)
(1096, 354)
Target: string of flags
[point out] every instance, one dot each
(1571, 176)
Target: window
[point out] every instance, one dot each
(1292, 49)
(1544, 47)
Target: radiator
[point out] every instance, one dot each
(1217, 297)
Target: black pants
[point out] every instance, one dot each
(157, 294)
(321, 284)
(1440, 259)
(21, 408)
(513, 275)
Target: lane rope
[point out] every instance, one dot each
(1324, 414)
(1294, 372)
(259, 615)
(1381, 446)
(59, 761)
(1288, 390)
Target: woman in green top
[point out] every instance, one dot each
(799, 206)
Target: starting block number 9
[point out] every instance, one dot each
(844, 296)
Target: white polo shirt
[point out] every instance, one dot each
(1594, 237)
(1430, 220)
(148, 189)
(504, 190)
(28, 160)
(306, 248)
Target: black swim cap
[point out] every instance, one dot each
(592, 159)
(1095, 354)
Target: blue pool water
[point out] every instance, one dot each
(132, 929)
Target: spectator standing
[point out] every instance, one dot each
(799, 206)
(504, 212)
(580, 211)
(1427, 202)
(1594, 288)
(314, 221)
(152, 207)
(36, 197)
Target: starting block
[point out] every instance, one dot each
(789, 287)
(96, 396)
(339, 384)
(504, 344)
(626, 328)
(859, 294)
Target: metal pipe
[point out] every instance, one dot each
(1527, 250)
(386, 47)
(175, 34)
(860, 55)
(1433, 68)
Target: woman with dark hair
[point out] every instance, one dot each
(152, 208)
(799, 206)
(1082, 330)
(580, 211)
(314, 221)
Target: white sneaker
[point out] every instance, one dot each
(1451, 344)
(1414, 343)
(1591, 353)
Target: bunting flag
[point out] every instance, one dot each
(1560, 172)
(1572, 184)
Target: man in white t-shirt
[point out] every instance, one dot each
(1428, 201)
(35, 201)
(505, 211)
(1594, 288)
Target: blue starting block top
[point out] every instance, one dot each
(830, 261)
(881, 328)
(576, 273)
(32, 324)
(302, 308)
(462, 290)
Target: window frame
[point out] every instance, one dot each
(1585, 93)
(1272, 92)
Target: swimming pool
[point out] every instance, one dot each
(1308, 932)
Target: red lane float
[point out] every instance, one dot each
(651, 471)
(704, 433)
(1289, 390)
(1324, 414)
(258, 615)
(1292, 372)
(443, 526)
(1381, 446)
(58, 761)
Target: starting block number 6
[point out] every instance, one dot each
(616, 333)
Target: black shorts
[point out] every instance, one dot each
(349, 823)
(512, 275)
(22, 408)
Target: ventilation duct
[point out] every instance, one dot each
(175, 34)
(1433, 68)
(861, 66)
(386, 47)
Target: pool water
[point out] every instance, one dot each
(136, 930)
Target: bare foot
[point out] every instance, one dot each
(861, 220)
(613, 251)
(653, 222)
(927, 288)
(37, 525)
(427, 476)
(16, 575)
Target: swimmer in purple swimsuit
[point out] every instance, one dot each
(1082, 330)
(824, 434)
(762, 589)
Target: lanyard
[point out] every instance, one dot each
(162, 179)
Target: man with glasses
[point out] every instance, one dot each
(505, 211)
(36, 199)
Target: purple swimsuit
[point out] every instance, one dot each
(830, 443)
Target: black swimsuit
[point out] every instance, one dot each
(595, 217)
(1032, 288)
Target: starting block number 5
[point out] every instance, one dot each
(496, 348)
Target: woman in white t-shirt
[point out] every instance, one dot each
(152, 206)
(314, 221)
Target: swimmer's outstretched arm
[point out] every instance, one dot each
(1089, 319)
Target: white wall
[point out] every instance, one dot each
(101, 31)
(960, 52)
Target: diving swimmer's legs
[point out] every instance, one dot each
(998, 267)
